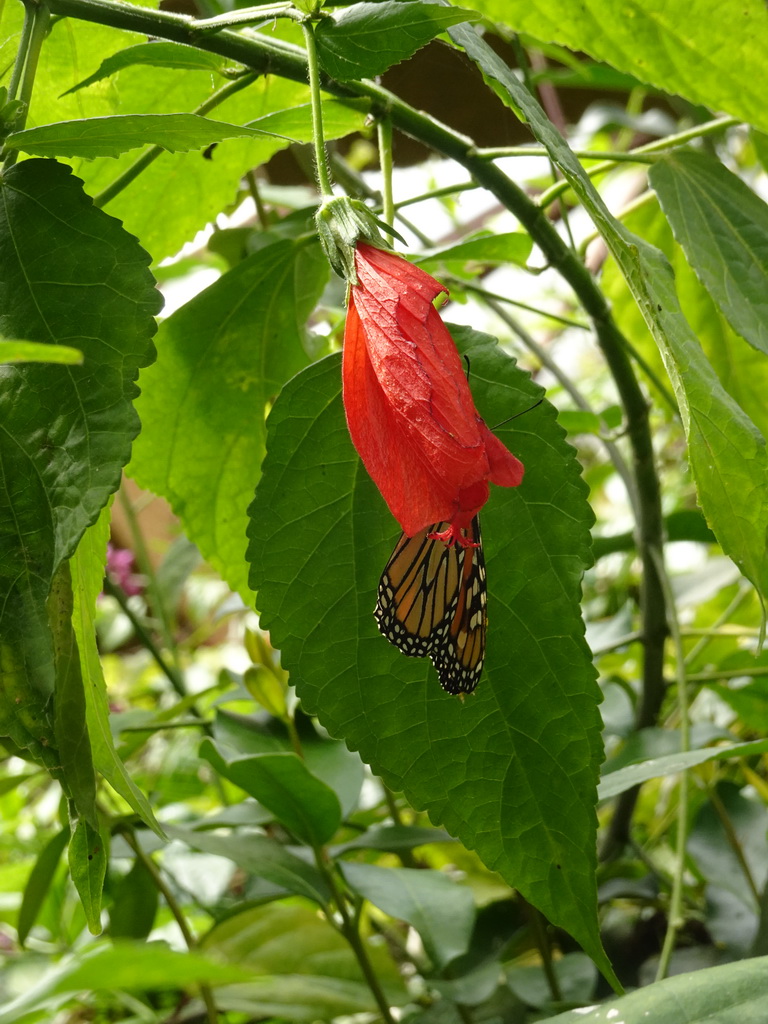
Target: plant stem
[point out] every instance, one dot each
(21, 53)
(349, 930)
(676, 899)
(318, 137)
(384, 133)
(143, 634)
(36, 18)
(546, 360)
(536, 921)
(178, 914)
(149, 156)
(642, 154)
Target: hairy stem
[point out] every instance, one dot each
(318, 135)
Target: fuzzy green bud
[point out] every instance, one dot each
(341, 223)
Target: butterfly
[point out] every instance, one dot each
(432, 602)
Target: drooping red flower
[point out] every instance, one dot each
(409, 408)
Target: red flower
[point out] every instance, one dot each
(409, 408)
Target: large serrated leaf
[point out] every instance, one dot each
(223, 356)
(112, 135)
(727, 452)
(365, 39)
(518, 758)
(731, 994)
(661, 43)
(723, 229)
(68, 273)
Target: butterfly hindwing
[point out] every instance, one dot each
(432, 602)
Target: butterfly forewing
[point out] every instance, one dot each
(432, 601)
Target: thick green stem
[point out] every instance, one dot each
(150, 155)
(318, 136)
(36, 18)
(21, 53)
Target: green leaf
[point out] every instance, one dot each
(34, 352)
(723, 229)
(142, 966)
(634, 774)
(441, 910)
(660, 43)
(293, 944)
(68, 272)
(39, 883)
(394, 838)
(339, 117)
(510, 247)
(134, 906)
(365, 39)
(87, 866)
(203, 403)
(70, 726)
(263, 858)
(283, 784)
(158, 54)
(113, 135)
(727, 452)
(511, 760)
(731, 994)
(87, 578)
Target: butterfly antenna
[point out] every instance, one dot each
(521, 413)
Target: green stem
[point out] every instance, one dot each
(21, 53)
(384, 133)
(350, 932)
(734, 843)
(321, 157)
(148, 157)
(178, 914)
(250, 16)
(483, 293)
(675, 920)
(168, 671)
(644, 153)
(153, 589)
(536, 921)
(546, 360)
(743, 592)
(31, 44)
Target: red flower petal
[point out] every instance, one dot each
(409, 408)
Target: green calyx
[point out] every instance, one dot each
(341, 224)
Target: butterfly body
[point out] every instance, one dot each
(432, 603)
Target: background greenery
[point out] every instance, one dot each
(213, 814)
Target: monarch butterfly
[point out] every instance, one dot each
(432, 601)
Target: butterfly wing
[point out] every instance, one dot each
(432, 602)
